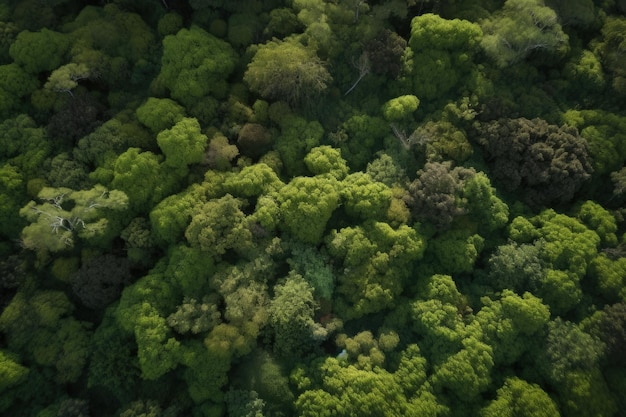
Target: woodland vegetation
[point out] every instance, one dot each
(312, 208)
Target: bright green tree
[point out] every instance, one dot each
(377, 262)
(442, 54)
(220, 225)
(521, 399)
(306, 205)
(195, 64)
(183, 144)
(159, 114)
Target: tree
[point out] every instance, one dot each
(12, 373)
(41, 326)
(291, 314)
(100, 281)
(242, 403)
(437, 315)
(195, 64)
(183, 144)
(579, 13)
(455, 251)
(254, 140)
(159, 114)
(306, 205)
(220, 225)
(483, 205)
(39, 51)
(400, 108)
(15, 85)
(326, 160)
(442, 141)
(376, 263)
(350, 391)
(604, 133)
(509, 325)
(521, 28)
(194, 316)
(570, 362)
(467, 372)
(11, 190)
(78, 117)
(365, 198)
(65, 215)
(288, 71)
(385, 53)
(521, 399)
(101, 147)
(220, 153)
(515, 267)
(548, 163)
(611, 51)
(113, 362)
(442, 54)
(436, 194)
(143, 178)
(64, 79)
(611, 330)
(314, 266)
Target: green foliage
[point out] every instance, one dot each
(509, 325)
(611, 51)
(183, 144)
(520, 398)
(515, 267)
(113, 363)
(570, 362)
(15, 85)
(456, 250)
(351, 391)
(41, 326)
(285, 208)
(219, 225)
(313, 266)
(159, 114)
(521, 28)
(288, 71)
(466, 373)
(39, 51)
(605, 134)
(400, 108)
(442, 54)
(291, 316)
(443, 141)
(194, 316)
(12, 374)
(143, 178)
(306, 205)
(548, 163)
(436, 194)
(65, 215)
(608, 277)
(326, 160)
(195, 64)
(371, 254)
(364, 198)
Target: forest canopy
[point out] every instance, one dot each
(312, 208)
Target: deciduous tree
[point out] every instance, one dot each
(287, 70)
(195, 64)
